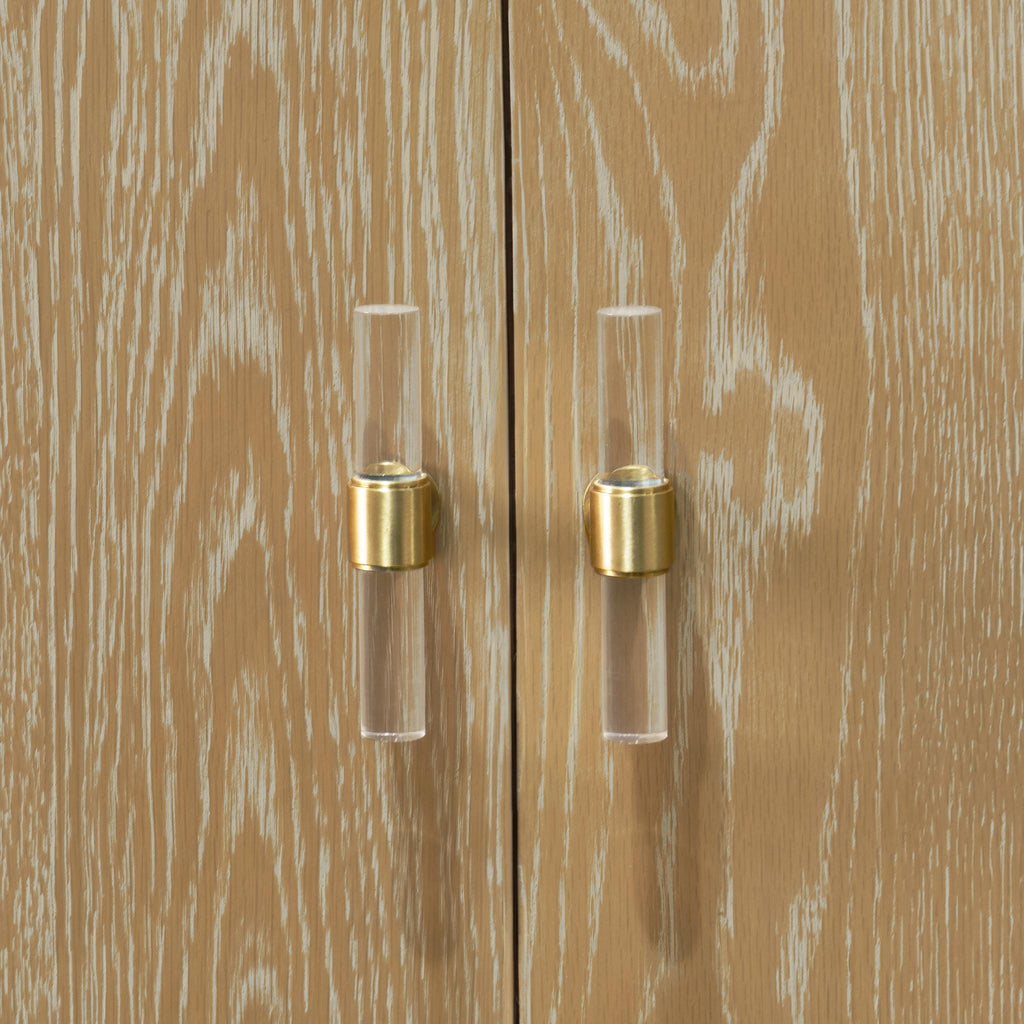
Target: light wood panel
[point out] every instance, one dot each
(222, 183)
(27, 968)
(827, 203)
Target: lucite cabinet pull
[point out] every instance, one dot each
(629, 516)
(393, 510)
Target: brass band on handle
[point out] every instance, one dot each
(392, 515)
(629, 516)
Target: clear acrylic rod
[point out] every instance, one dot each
(390, 612)
(633, 611)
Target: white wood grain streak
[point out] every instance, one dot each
(223, 184)
(28, 978)
(740, 342)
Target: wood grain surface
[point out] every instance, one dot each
(27, 885)
(827, 203)
(195, 197)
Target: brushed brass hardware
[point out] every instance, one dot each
(629, 516)
(392, 515)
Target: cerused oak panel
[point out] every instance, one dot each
(826, 201)
(27, 968)
(195, 197)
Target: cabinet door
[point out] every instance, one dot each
(193, 828)
(826, 202)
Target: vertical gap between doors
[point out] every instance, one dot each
(510, 366)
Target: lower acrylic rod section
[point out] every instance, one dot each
(634, 666)
(392, 655)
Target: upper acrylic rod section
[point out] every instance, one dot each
(630, 408)
(386, 372)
